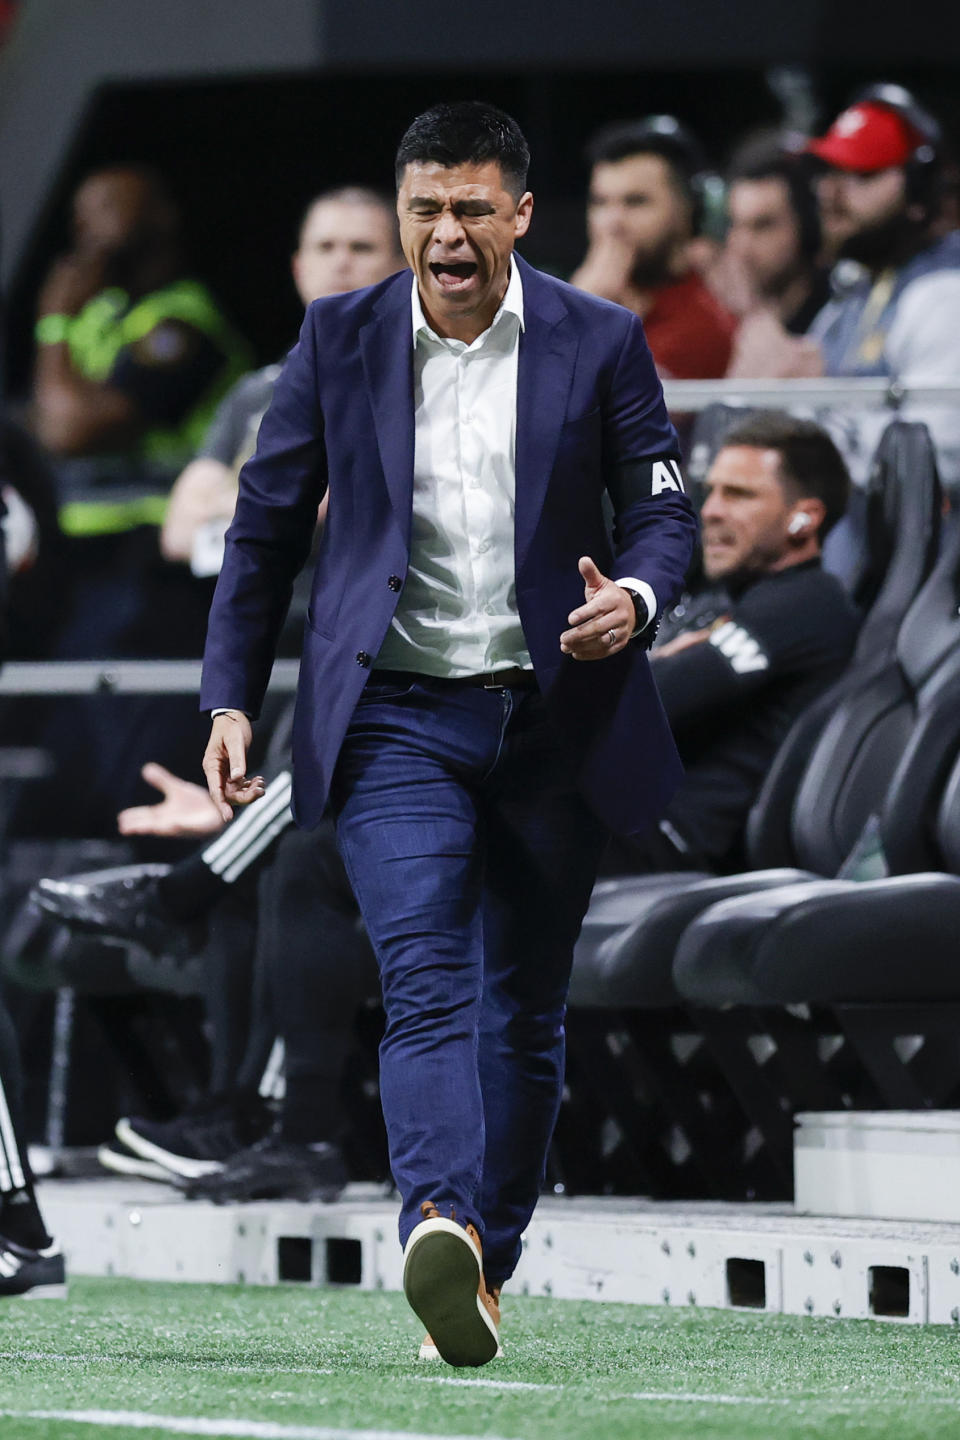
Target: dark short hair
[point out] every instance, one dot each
(810, 463)
(766, 159)
(467, 132)
(661, 135)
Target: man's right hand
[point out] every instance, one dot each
(225, 763)
(606, 270)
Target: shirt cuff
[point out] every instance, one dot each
(645, 591)
(226, 709)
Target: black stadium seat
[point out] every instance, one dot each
(843, 940)
(841, 752)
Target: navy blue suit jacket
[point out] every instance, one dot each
(590, 417)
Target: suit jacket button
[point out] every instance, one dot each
(363, 658)
(395, 583)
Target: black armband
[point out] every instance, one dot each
(633, 480)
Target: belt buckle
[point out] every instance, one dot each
(490, 682)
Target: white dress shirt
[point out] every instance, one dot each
(457, 613)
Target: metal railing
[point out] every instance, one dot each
(821, 394)
(120, 677)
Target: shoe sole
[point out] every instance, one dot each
(441, 1276)
(431, 1353)
(182, 1165)
(133, 1165)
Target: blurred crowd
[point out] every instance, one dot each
(834, 256)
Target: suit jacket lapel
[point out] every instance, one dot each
(386, 347)
(548, 351)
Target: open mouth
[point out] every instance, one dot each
(455, 278)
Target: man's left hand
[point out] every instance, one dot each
(185, 810)
(605, 623)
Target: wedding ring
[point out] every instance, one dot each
(612, 636)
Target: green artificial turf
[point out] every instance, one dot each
(290, 1357)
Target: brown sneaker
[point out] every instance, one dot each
(443, 1282)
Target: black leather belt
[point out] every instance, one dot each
(514, 677)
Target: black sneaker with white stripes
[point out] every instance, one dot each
(40, 1274)
(121, 1160)
(199, 1141)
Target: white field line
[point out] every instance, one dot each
(683, 1397)
(232, 1429)
(485, 1384)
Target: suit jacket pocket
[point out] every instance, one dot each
(323, 612)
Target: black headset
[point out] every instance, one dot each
(924, 166)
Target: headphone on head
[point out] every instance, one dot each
(799, 522)
(704, 188)
(924, 166)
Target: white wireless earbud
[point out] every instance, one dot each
(799, 522)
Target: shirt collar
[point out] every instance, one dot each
(511, 304)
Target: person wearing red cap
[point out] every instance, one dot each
(896, 310)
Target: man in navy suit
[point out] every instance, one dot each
(475, 703)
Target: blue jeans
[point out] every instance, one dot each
(472, 856)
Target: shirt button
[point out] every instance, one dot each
(483, 547)
(363, 658)
(395, 583)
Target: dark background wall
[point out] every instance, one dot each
(673, 33)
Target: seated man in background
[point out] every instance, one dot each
(348, 238)
(899, 314)
(643, 210)
(770, 272)
(733, 687)
(895, 310)
(133, 355)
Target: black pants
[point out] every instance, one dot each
(288, 956)
(318, 968)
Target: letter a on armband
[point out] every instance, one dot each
(634, 480)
